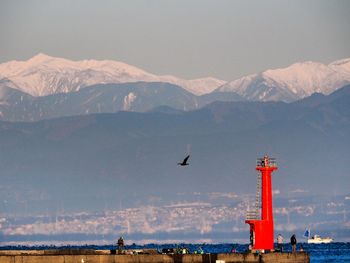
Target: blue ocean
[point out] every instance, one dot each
(333, 252)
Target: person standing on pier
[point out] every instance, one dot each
(120, 245)
(279, 243)
(293, 242)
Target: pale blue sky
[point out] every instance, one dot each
(222, 38)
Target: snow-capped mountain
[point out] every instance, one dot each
(44, 75)
(292, 83)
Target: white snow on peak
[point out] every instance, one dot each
(342, 65)
(344, 61)
(294, 82)
(196, 86)
(305, 78)
(238, 85)
(40, 57)
(43, 75)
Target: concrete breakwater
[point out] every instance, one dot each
(104, 256)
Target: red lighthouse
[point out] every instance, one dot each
(260, 220)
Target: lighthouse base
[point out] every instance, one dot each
(261, 234)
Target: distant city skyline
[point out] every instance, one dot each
(188, 39)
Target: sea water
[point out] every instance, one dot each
(333, 252)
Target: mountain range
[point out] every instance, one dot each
(87, 159)
(295, 82)
(45, 75)
(103, 98)
(45, 87)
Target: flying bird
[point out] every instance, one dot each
(184, 162)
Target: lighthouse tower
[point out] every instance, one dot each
(260, 220)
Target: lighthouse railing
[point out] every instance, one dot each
(263, 162)
(252, 215)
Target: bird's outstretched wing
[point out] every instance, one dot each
(186, 159)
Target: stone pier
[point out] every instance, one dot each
(104, 256)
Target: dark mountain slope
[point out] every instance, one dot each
(102, 98)
(83, 161)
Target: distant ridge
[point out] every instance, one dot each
(295, 82)
(45, 87)
(45, 75)
(16, 105)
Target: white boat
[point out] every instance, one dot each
(316, 239)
